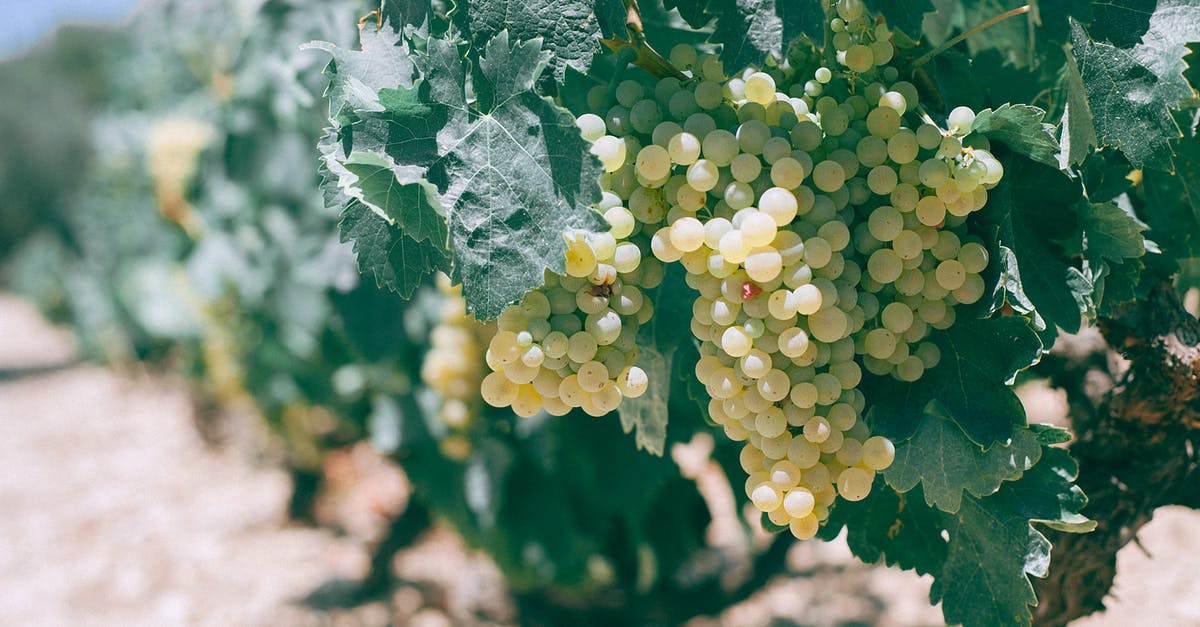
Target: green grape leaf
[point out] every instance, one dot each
(570, 30)
(356, 76)
(1077, 129)
(941, 458)
(1020, 127)
(905, 15)
(399, 194)
(1110, 232)
(749, 31)
(1121, 22)
(658, 340)
(1130, 91)
(1033, 207)
(511, 170)
(994, 548)
(897, 529)
(397, 261)
(978, 358)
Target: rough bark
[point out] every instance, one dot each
(1137, 424)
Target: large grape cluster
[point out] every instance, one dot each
(824, 231)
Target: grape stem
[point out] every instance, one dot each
(927, 57)
(646, 57)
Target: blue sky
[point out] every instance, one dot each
(27, 21)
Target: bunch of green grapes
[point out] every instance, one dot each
(824, 232)
(572, 342)
(453, 366)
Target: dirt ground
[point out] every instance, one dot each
(114, 512)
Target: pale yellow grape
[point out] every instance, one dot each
(703, 175)
(859, 58)
(779, 204)
(758, 229)
(684, 148)
(611, 152)
(910, 369)
(580, 259)
(799, 502)
(661, 246)
(776, 447)
(607, 398)
(829, 176)
(882, 180)
(884, 265)
(770, 423)
(627, 257)
(974, 257)
(933, 173)
(527, 403)
(828, 325)
(971, 291)
(581, 347)
(793, 342)
(787, 173)
(805, 527)
(960, 120)
(808, 299)
(709, 95)
(902, 147)
(931, 211)
(591, 376)
(817, 252)
(784, 474)
(885, 223)
(878, 453)
(883, 122)
(951, 274)
(497, 390)
(763, 264)
(766, 498)
(687, 234)
(733, 246)
(760, 88)
(880, 343)
(817, 430)
(653, 162)
(896, 317)
(774, 386)
(720, 147)
(854, 484)
(735, 342)
(755, 363)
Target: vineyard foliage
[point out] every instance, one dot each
(344, 215)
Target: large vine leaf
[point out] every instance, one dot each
(993, 547)
(1020, 127)
(979, 357)
(1130, 92)
(511, 171)
(570, 30)
(945, 462)
(749, 31)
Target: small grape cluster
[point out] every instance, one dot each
(572, 343)
(453, 366)
(824, 236)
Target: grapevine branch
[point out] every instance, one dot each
(954, 41)
(1137, 431)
